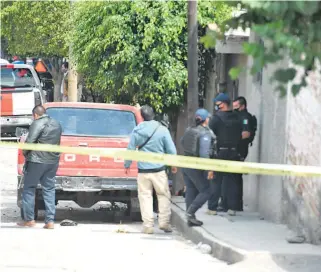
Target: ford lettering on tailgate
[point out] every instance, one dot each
(92, 158)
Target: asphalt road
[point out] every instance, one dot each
(98, 243)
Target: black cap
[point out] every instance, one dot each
(222, 97)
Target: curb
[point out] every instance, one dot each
(220, 250)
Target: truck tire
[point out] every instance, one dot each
(136, 217)
(133, 212)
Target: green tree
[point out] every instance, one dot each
(136, 51)
(37, 29)
(286, 28)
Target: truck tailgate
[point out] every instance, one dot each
(16, 101)
(93, 165)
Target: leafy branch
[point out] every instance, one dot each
(286, 29)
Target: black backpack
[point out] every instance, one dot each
(190, 141)
(229, 134)
(253, 127)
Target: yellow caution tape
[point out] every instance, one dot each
(179, 161)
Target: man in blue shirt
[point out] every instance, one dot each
(151, 136)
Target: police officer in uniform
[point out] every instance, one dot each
(198, 141)
(248, 134)
(240, 105)
(227, 127)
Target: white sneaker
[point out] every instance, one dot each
(231, 212)
(166, 228)
(147, 230)
(210, 212)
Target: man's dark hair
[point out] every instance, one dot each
(242, 101)
(65, 64)
(147, 113)
(39, 110)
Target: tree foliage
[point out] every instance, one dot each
(136, 51)
(287, 28)
(35, 28)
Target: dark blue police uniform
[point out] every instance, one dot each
(196, 181)
(227, 127)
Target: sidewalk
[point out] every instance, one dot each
(247, 242)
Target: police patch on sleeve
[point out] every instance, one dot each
(245, 122)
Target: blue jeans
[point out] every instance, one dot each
(197, 189)
(45, 174)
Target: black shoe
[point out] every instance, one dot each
(193, 222)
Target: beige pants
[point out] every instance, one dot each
(146, 183)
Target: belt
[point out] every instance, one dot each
(227, 148)
(154, 170)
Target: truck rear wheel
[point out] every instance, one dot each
(133, 210)
(136, 216)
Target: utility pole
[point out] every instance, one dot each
(192, 62)
(72, 74)
(72, 80)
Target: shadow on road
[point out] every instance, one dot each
(297, 262)
(98, 214)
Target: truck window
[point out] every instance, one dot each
(94, 122)
(16, 77)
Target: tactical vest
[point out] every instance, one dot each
(190, 141)
(230, 132)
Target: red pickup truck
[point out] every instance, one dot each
(88, 179)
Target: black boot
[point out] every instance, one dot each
(192, 221)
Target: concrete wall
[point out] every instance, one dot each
(302, 196)
(272, 147)
(233, 86)
(264, 193)
(289, 132)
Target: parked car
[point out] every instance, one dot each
(20, 91)
(4, 61)
(88, 179)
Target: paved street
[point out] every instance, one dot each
(93, 245)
